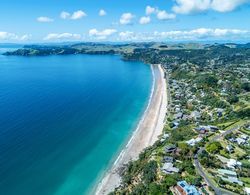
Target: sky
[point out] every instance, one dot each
(32, 21)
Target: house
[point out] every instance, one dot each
(220, 112)
(240, 141)
(229, 176)
(233, 164)
(168, 159)
(178, 115)
(213, 128)
(168, 168)
(247, 190)
(195, 115)
(170, 148)
(164, 137)
(207, 128)
(193, 141)
(244, 136)
(175, 124)
(228, 173)
(229, 148)
(183, 188)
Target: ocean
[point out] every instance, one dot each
(64, 120)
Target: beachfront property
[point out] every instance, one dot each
(164, 137)
(229, 176)
(170, 148)
(168, 168)
(183, 188)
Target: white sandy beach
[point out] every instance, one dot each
(147, 132)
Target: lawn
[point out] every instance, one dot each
(246, 180)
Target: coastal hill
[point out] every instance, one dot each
(153, 53)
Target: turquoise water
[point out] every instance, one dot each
(63, 119)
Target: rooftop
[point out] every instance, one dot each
(189, 189)
(227, 172)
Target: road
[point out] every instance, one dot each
(217, 190)
(225, 133)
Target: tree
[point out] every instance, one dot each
(214, 147)
(155, 189)
(232, 99)
(150, 172)
(245, 86)
(139, 189)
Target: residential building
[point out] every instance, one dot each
(183, 188)
(168, 168)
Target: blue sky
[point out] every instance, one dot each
(124, 20)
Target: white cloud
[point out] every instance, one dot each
(150, 10)
(186, 35)
(101, 34)
(78, 14)
(102, 12)
(44, 19)
(65, 15)
(194, 6)
(6, 36)
(126, 18)
(74, 16)
(144, 20)
(226, 5)
(163, 15)
(62, 36)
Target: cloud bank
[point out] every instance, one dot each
(199, 34)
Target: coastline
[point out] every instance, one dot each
(146, 133)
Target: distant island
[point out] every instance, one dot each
(205, 144)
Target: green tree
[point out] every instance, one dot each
(150, 172)
(214, 147)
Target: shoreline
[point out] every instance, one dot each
(147, 132)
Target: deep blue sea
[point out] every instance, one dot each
(64, 119)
